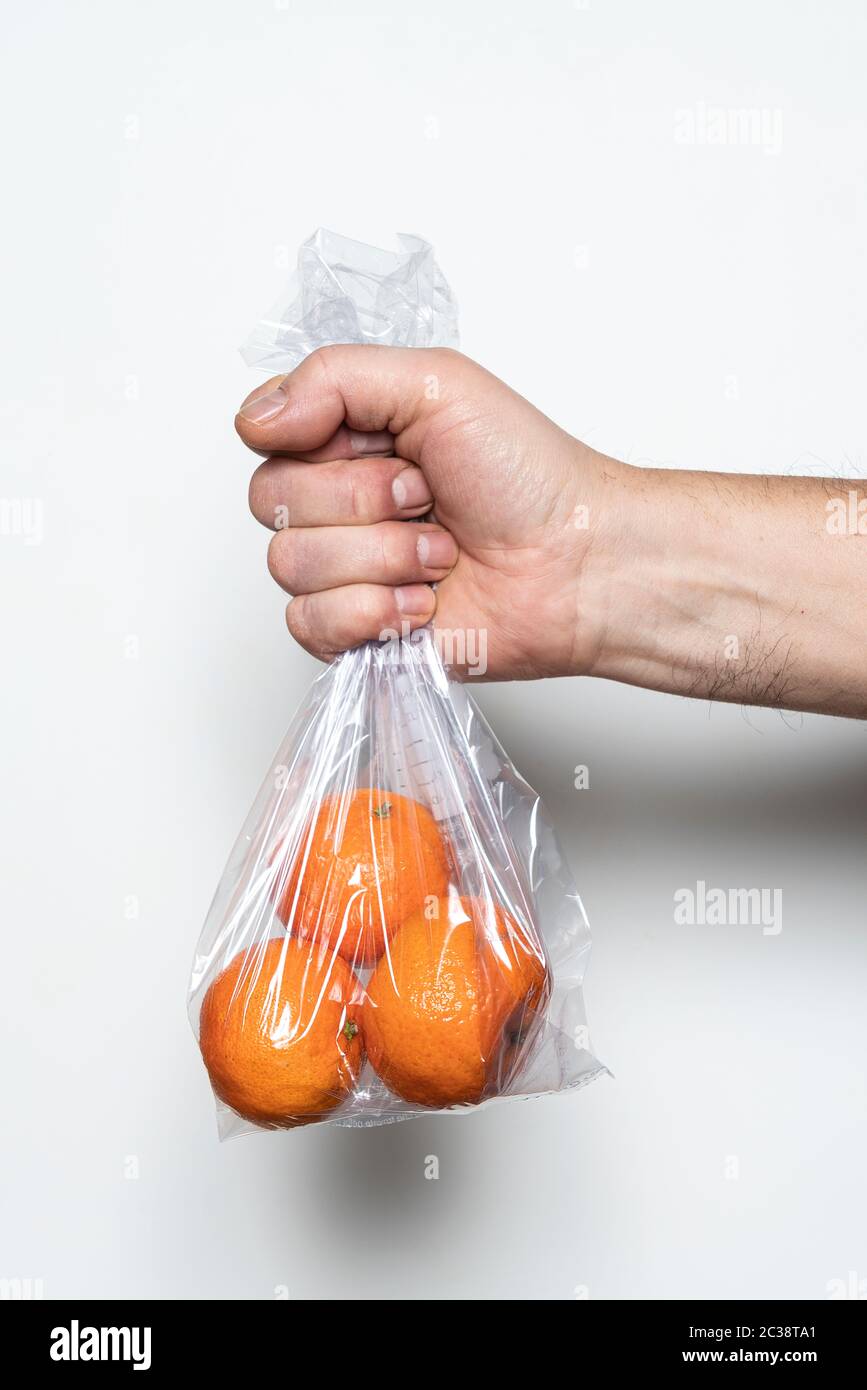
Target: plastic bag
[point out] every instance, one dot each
(396, 930)
(346, 292)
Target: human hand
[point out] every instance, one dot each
(358, 440)
(726, 586)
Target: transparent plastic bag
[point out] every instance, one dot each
(345, 292)
(396, 931)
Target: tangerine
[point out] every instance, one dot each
(280, 1033)
(365, 864)
(450, 1007)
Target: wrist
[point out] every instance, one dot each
(707, 585)
(616, 506)
(632, 577)
(664, 579)
(667, 581)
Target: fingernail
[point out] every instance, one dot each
(410, 489)
(414, 599)
(377, 442)
(436, 550)
(263, 407)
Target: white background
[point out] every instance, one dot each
(677, 303)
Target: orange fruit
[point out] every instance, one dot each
(280, 1033)
(450, 1007)
(366, 863)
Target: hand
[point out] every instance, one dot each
(359, 440)
(730, 587)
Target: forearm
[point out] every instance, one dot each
(735, 587)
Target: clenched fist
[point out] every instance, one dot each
(390, 470)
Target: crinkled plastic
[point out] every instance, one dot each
(345, 292)
(396, 931)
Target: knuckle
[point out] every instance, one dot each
(272, 557)
(357, 502)
(306, 627)
(270, 495)
(368, 497)
(283, 557)
(446, 357)
(392, 552)
(321, 360)
(257, 495)
(369, 612)
(296, 620)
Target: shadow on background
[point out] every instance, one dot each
(375, 1175)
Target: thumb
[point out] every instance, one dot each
(366, 387)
